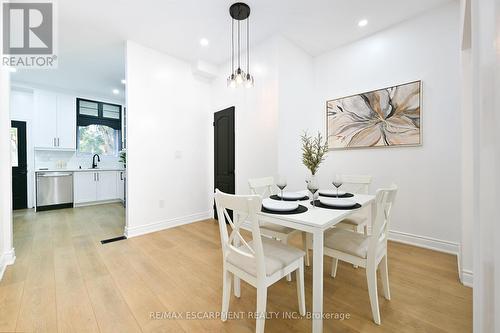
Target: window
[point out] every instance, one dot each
(98, 127)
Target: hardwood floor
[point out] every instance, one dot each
(64, 280)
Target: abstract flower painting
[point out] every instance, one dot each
(385, 117)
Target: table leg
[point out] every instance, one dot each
(317, 301)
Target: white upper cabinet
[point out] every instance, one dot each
(55, 121)
(45, 128)
(66, 121)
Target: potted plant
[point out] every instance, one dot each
(123, 157)
(313, 152)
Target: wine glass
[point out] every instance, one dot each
(337, 182)
(313, 187)
(281, 183)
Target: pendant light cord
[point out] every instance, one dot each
(232, 46)
(248, 46)
(239, 48)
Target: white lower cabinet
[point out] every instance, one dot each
(84, 187)
(106, 185)
(94, 186)
(120, 185)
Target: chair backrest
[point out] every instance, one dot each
(384, 202)
(359, 184)
(244, 208)
(262, 186)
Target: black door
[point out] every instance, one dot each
(224, 151)
(19, 165)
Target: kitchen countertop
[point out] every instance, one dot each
(81, 170)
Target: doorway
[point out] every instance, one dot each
(224, 151)
(19, 165)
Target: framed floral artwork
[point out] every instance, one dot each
(385, 117)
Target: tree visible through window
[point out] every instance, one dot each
(98, 127)
(98, 139)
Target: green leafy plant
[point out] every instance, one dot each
(313, 151)
(123, 156)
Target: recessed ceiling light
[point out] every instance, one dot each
(363, 23)
(12, 69)
(116, 91)
(124, 81)
(204, 42)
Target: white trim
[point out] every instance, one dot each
(7, 258)
(166, 224)
(425, 242)
(95, 203)
(467, 278)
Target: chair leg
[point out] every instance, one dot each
(289, 276)
(300, 288)
(371, 279)
(308, 246)
(335, 263)
(305, 246)
(237, 287)
(261, 309)
(355, 229)
(226, 293)
(384, 274)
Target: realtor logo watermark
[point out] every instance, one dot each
(29, 34)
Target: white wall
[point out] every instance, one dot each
(427, 49)
(256, 117)
(486, 106)
(7, 255)
(168, 122)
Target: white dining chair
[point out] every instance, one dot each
(365, 251)
(358, 184)
(265, 187)
(260, 262)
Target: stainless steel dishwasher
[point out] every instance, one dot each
(54, 190)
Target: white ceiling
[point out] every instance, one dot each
(92, 32)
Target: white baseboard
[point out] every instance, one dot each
(6, 259)
(467, 278)
(166, 224)
(425, 242)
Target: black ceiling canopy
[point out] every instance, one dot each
(239, 11)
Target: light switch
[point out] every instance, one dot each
(178, 154)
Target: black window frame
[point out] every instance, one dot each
(87, 120)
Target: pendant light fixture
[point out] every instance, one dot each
(239, 12)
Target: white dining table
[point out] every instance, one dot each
(316, 221)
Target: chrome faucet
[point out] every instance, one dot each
(94, 163)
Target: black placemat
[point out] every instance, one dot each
(275, 197)
(345, 195)
(318, 203)
(299, 210)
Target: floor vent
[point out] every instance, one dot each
(115, 239)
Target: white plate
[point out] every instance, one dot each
(280, 206)
(291, 195)
(337, 202)
(331, 192)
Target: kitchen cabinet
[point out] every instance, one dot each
(106, 185)
(66, 122)
(94, 186)
(45, 128)
(85, 187)
(120, 185)
(55, 121)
